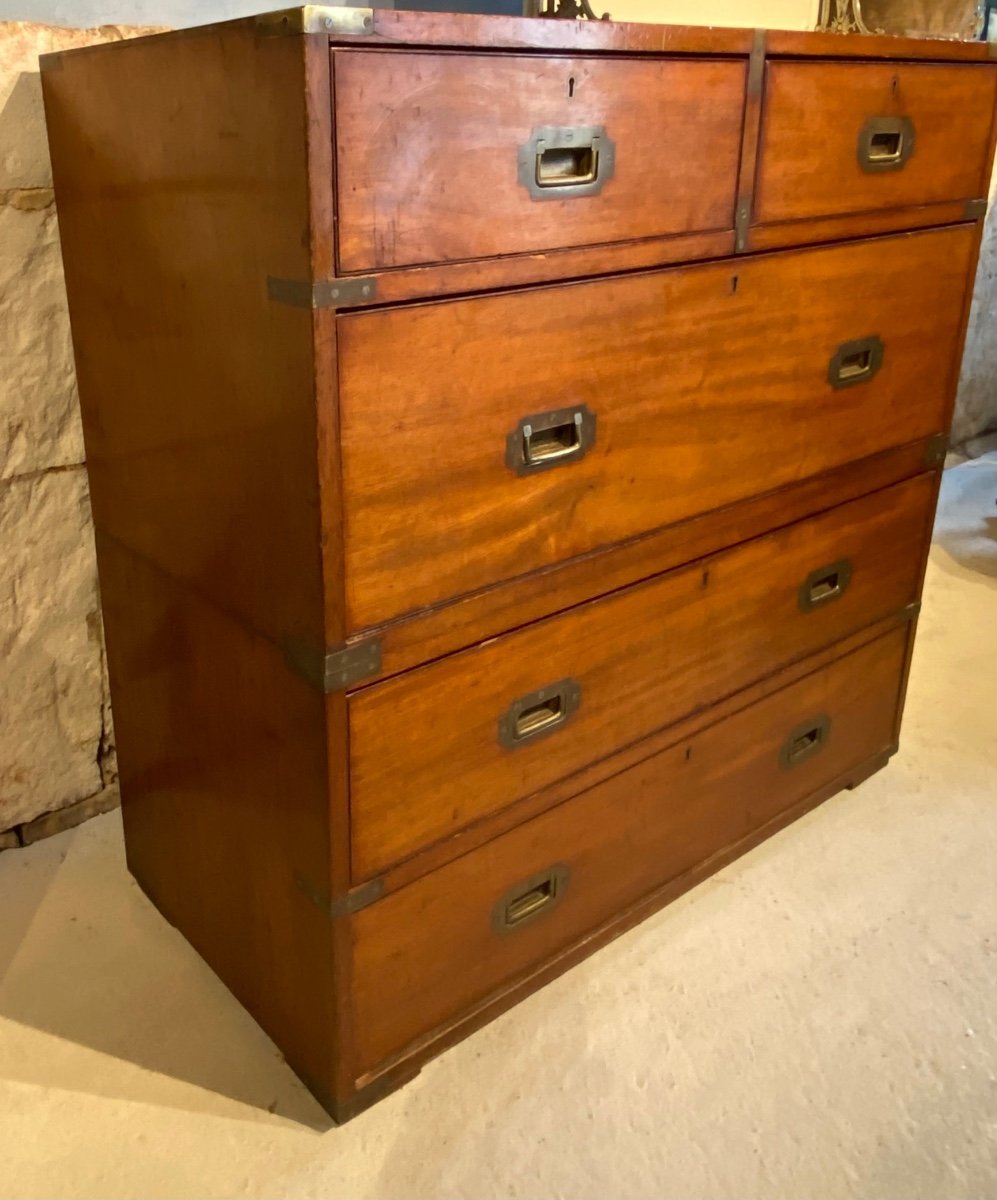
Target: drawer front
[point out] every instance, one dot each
(461, 156)
(445, 745)
(692, 388)
(438, 946)
(853, 137)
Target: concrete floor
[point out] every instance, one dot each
(817, 1021)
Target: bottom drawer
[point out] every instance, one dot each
(430, 951)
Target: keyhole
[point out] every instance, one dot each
(571, 86)
(733, 284)
(894, 85)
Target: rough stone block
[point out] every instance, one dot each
(52, 685)
(976, 402)
(68, 818)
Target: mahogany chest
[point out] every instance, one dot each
(513, 449)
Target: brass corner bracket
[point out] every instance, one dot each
(317, 18)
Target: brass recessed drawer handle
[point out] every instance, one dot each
(825, 584)
(529, 899)
(560, 161)
(539, 713)
(855, 362)
(885, 143)
(551, 439)
(805, 741)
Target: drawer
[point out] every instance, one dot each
(693, 388)
(461, 156)
(446, 744)
(434, 949)
(853, 137)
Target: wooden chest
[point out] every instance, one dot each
(513, 450)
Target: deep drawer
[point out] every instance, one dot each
(447, 744)
(853, 137)
(443, 157)
(442, 944)
(693, 388)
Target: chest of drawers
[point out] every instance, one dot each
(513, 449)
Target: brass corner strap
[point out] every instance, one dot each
(976, 208)
(935, 450)
(752, 131)
(334, 670)
(317, 18)
(329, 293)
(350, 902)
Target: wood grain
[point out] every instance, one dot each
(425, 752)
(431, 509)
(181, 177)
(428, 146)
(814, 113)
(619, 841)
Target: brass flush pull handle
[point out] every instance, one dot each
(805, 741)
(560, 161)
(885, 143)
(825, 584)
(530, 898)
(855, 362)
(551, 439)
(541, 712)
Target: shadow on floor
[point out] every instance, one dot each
(966, 523)
(85, 958)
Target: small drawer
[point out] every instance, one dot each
(442, 157)
(449, 743)
(841, 138)
(545, 424)
(431, 951)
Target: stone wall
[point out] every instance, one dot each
(56, 741)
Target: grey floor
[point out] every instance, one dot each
(817, 1021)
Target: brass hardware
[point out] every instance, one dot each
(825, 584)
(756, 63)
(329, 293)
(885, 143)
(552, 439)
(912, 610)
(317, 18)
(805, 741)
(351, 902)
(530, 898)
(855, 362)
(562, 161)
(337, 669)
(745, 200)
(935, 450)
(538, 714)
(976, 208)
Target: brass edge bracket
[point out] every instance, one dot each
(343, 906)
(745, 199)
(336, 669)
(976, 208)
(912, 610)
(317, 18)
(330, 293)
(935, 450)
(49, 62)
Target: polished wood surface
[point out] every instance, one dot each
(618, 841)
(425, 752)
(814, 113)
(197, 393)
(275, 475)
(428, 145)
(428, 635)
(681, 428)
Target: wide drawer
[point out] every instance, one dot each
(460, 156)
(853, 137)
(436, 948)
(447, 744)
(693, 388)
